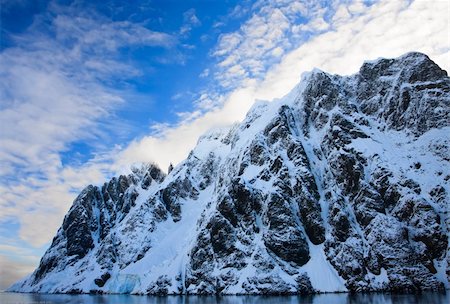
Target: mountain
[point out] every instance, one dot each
(342, 185)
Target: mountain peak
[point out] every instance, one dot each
(342, 185)
(411, 67)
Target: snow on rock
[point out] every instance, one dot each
(342, 185)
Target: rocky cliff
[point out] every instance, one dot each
(342, 185)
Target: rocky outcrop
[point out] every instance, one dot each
(341, 186)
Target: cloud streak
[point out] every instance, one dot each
(355, 32)
(60, 83)
(190, 21)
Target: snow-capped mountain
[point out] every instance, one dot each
(342, 185)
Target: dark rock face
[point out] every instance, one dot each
(90, 219)
(160, 287)
(346, 171)
(367, 205)
(310, 213)
(411, 106)
(100, 282)
(347, 177)
(77, 224)
(222, 236)
(173, 192)
(284, 238)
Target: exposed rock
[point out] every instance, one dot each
(100, 282)
(284, 237)
(78, 223)
(345, 175)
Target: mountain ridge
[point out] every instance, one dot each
(342, 185)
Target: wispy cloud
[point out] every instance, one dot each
(61, 83)
(274, 28)
(204, 73)
(190, 21)
(355, 32)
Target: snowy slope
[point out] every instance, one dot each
(342, 185)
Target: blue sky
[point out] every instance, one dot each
(87, 88)
(159, 77)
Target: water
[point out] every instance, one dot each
(372, 298)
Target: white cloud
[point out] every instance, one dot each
(190, 20)
(238, 11)
(104, 35)
(388, 29)
(172, 144)
(53, 93)
(275, 27)
(357, 7)
(316, 25)
(204, 73)
(385, 29)
(276, 52)
(227, 43)
(44, 109)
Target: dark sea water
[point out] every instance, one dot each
(372, 298)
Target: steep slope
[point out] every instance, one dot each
(342, 185)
